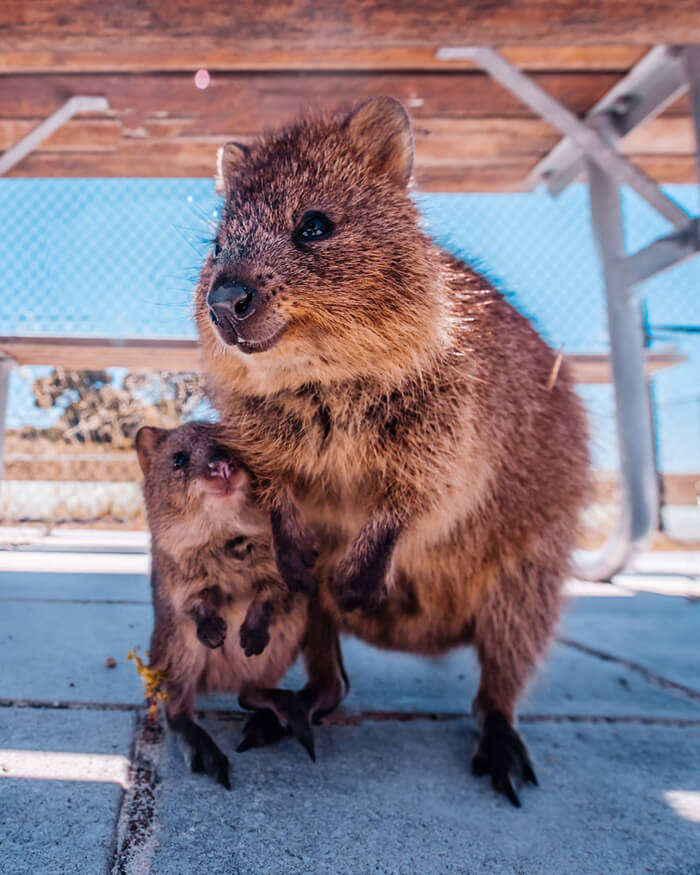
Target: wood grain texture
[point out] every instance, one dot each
(479, 154)
(68, 33)
(127, 59)
(186, 160)
(254, 101)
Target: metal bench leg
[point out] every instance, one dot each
(639, 518)
(5, 366)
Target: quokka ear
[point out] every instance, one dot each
(228, 158)
(146, 441)
(381, 129)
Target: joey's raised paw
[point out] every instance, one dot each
(502, 754)
(254, 633)
(211, 630)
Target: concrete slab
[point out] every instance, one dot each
(56, 650)
(61, 826)
(398, 798)
(70, 623)
(568, 683)
(662, 633)
(26, 585)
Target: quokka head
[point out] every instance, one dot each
(320, 270)
(190, 476)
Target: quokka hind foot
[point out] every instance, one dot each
(502, 754)
(203, 752)
(278, 714)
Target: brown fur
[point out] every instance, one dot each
(216, 587)
(404, 406)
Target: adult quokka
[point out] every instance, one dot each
(224, 619)
(391, 399)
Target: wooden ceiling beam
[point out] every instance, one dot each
(252, 101)
(439, 141)
(187, 159)
(127, 59)
(60, 33)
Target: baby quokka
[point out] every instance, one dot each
(224, 620)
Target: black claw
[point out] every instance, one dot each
(264, 728)
(260, 730)
(529, 774)
(197, 764)
(306, 740)
(480, 765)
(205, 756)
(501, 753)
(503, 784)
(223, 776)
(298, 724)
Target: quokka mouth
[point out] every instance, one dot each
(221, 477)
(251, 346)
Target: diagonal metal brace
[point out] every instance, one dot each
(27, 144)
(663, 253)
(604, 154)
(653, 84)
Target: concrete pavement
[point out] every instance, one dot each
(612, 721)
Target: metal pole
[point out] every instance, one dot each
(5, 367)
(692, 70)
(638, 479)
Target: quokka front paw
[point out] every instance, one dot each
(254, 633)
(295, 549)
(295, 568)
(211, 630)
(360, 586)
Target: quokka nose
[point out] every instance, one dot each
(232, 300)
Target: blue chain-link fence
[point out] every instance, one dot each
(120, 257)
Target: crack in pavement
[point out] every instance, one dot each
(357, 718)
(63, 705)
(136, 824)
(649, 676)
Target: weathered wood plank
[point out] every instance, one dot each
(56, 31)
(451, 154)
(216, 58)
(183, 354)
(439, 141)
(93, 135)
(178, 354)
(195, 160)
(253, 101)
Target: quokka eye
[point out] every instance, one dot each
(314, 226)
(180, 460)
(217, 249)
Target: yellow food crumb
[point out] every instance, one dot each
(152, 678)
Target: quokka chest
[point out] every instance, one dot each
(340, 443)
(232, 566)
